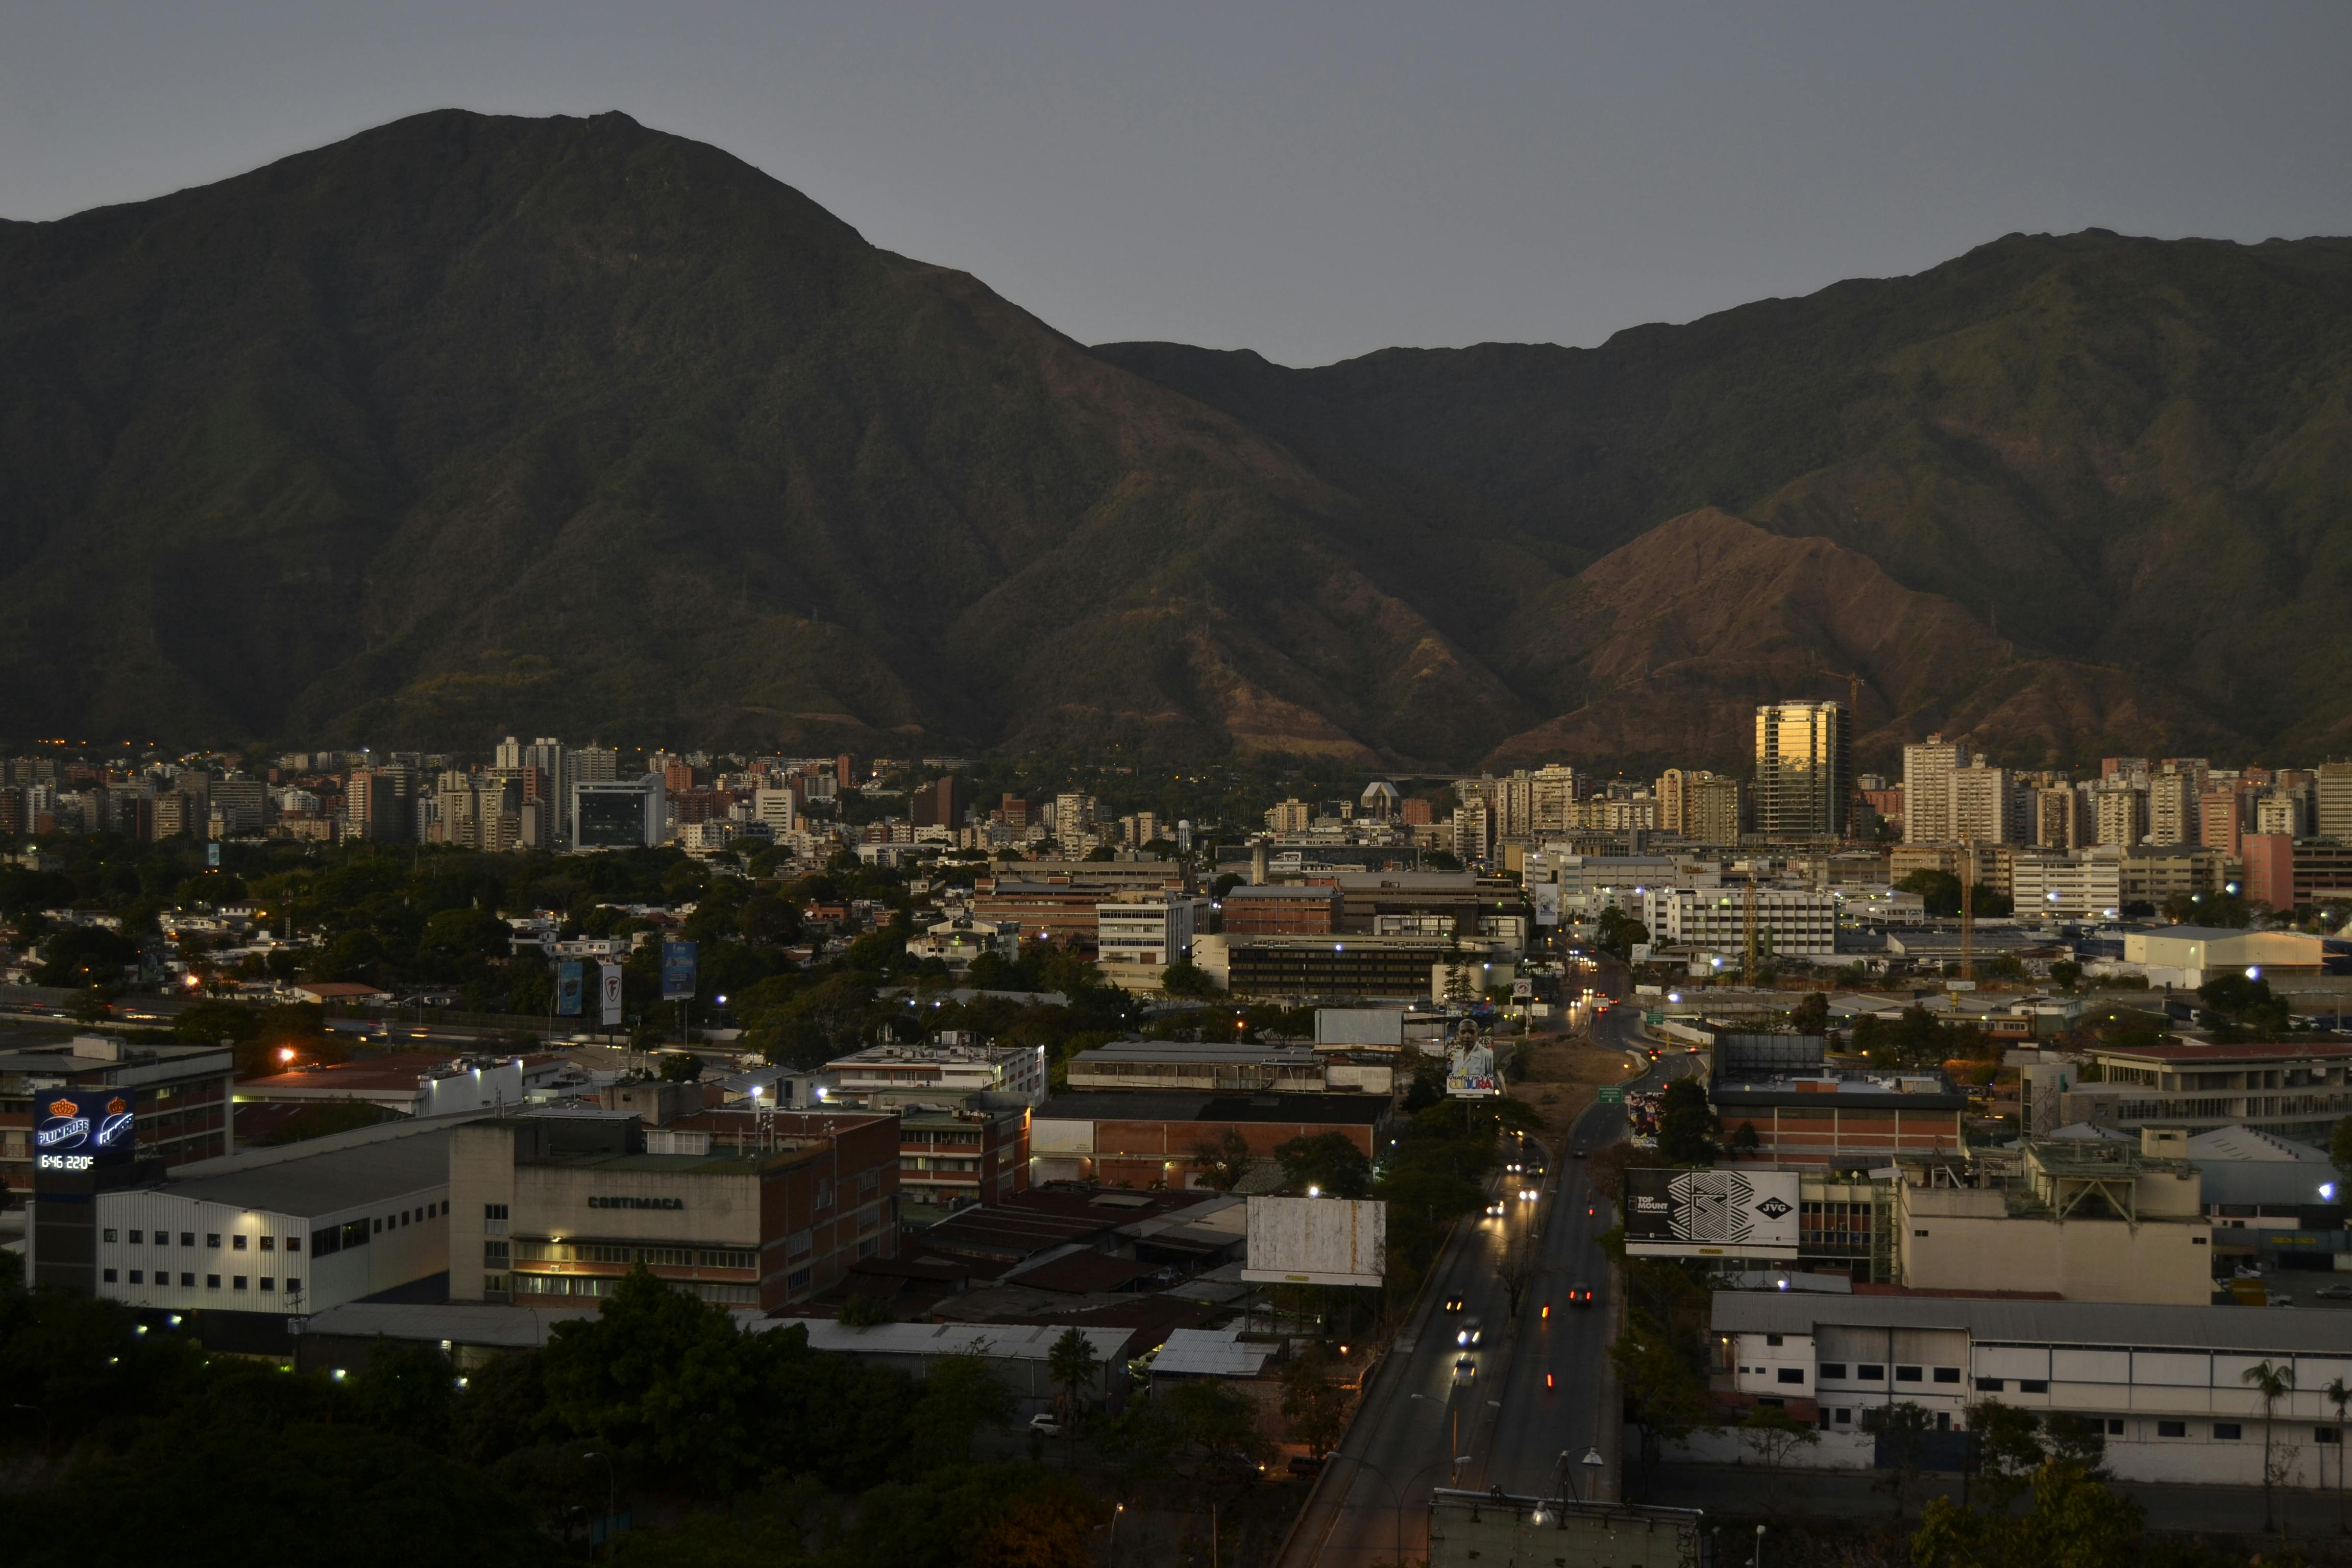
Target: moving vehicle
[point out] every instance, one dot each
(1466, 1368)
(1579, 1295)
(1045, 1425)
(1495, 1209)
(1470, 1333)
(2335, 1292)
(1453, 1303)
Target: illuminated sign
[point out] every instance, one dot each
(1711, 1213)
(84, 1129)
(636, 1203)
(678, 971)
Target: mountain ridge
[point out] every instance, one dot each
(472, 424)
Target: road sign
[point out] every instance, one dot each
(1613, 1096)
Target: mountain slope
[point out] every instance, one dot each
(471, 422)
(2132, 451)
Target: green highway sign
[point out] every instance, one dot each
(1613, 1096)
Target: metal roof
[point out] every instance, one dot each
(459, 1322)
(1115, 1105)
(996, 1342)
(327, 1183)
(1209, 1353)
(2249, 1331)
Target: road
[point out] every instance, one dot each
(1418, 1415)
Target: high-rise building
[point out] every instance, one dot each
(940, 803)
(1515, 804)
(1552, 799)
(1805, 770)
(2119, 814)
(2280, 813)
(1711, 808)
(1979, 803)
(2334, 802)
(547, 755)
(1285, 816)
(2221, 820)
(592, 763)
(1672, 814)
(2172, 808)
(613, 814)
(1473, 832)
(2060, 819)
(1927, 792)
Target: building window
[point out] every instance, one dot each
(293, 1244)
(1833, 1371)
(1792, 1374)
(494, 1211)
(236, 1244)
(293, 1286)
(798, 1278)
(187, 1281)
(211, 1281)
(869, 1246)
(107, 1275)
(268, 1244)
(269, 1283)
(137, 1276)
(1907, 1374)
(403, 1217)
(237, 1282)
(495, 1254)
(2327, 1435)
(2228, 1431)
(1870, 1374)
(1844, 1416)
(1769, 1339)
(108, 1235)
(1948, 1374)
(2172, 1428)
(187, 1239)
(375, 1227)
(1990, 1385)
(136, 1238)
(211, 1240)
(2032, 1385)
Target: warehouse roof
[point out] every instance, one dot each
(326, 1183)
(1209, 1353)
(2246, 1329)
(997, 1342)
(459, 1322)
(1115, 1105)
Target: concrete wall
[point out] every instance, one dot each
(1965, 1241)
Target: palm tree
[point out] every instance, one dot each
(1072, 1365)
(2273, 1383)
(2339, 1395)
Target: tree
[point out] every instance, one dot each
(864, 1312)
(1618, 933)
(1517, 1270)
(1073, 1367)
(1327, 1160)
(1187, 980)
(1901, 1430)
(1940, 890)
(681, 1066)
(1810, 1015)
(1223, 1160)
(959, 1396)
(2273, 1383)
(2066, 972)
(2008, 1450)
(1774, 1434)
(2074, 1522)
(2339, 1395)
(1686, 1123)
(1217, 1422)
(408, 1391)
(1316, 1406)
(1666, 1391)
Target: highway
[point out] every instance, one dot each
(1504, 1426)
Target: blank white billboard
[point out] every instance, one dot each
(1317, 1241)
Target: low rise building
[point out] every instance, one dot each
(2187, 956)
(412, 1084)
(1154, 1139)
(760, 1210)
(1791, 923)
(1806, 1115)
(1281, 909)
(2297, 1091)
(1138, 935)
(949, 1070)
(1215, 1066)
(1398, 967)
(2165, 1386)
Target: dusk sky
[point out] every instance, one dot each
(1310, 181)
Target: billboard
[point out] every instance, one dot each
(1470, 1072)
(1547, 900)
(1317, 1241)
(83, 1129)
(569, 978)
(1711, 1213)
(608, 992)
(678, 971)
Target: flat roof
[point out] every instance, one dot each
(404, 1070)
(1209, 1353)
(324, 1183)
(1117, 1105)
(998, 1341)
(1194, 1051)
(2249, 1330)
(459, 1322)
(2280, 1050)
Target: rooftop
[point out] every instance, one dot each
(1117, 1105)
(1194, 1051)
(2246, 1330)
(372, 1075)
(1209, 1353)
(997, 1342)
(2249, 1051)
(325, 1181)
(459, 1322)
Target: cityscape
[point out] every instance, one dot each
(991, 787)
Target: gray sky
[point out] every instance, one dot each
(1310, 181)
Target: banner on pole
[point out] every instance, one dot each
(608, 981)
(568, 984)
(678, 971)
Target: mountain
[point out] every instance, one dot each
(470, 424)
(2130, 452)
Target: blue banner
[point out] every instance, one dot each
(678, 971)
(569, 978)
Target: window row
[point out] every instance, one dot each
(1875, 1372)
(162, 1278)
(138, 1237)
(602, 1252)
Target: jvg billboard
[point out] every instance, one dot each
(83, 1129)
(1711, 1213)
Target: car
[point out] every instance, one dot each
(1495, 1209)
(1576, 1153)
(1466, 1368)
(1453, 1303)
(1045, 1425)
(1469, 1334)
(2335, 1292)
(1579, 1295)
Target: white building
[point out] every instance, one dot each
(1137, 938)
(2165, 1384)
(619, 814)
(2087, 885)
(286, 1231)
(1791, 923)
(1927, 791)
(949, 1071)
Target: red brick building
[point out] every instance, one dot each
(1146, 1140)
